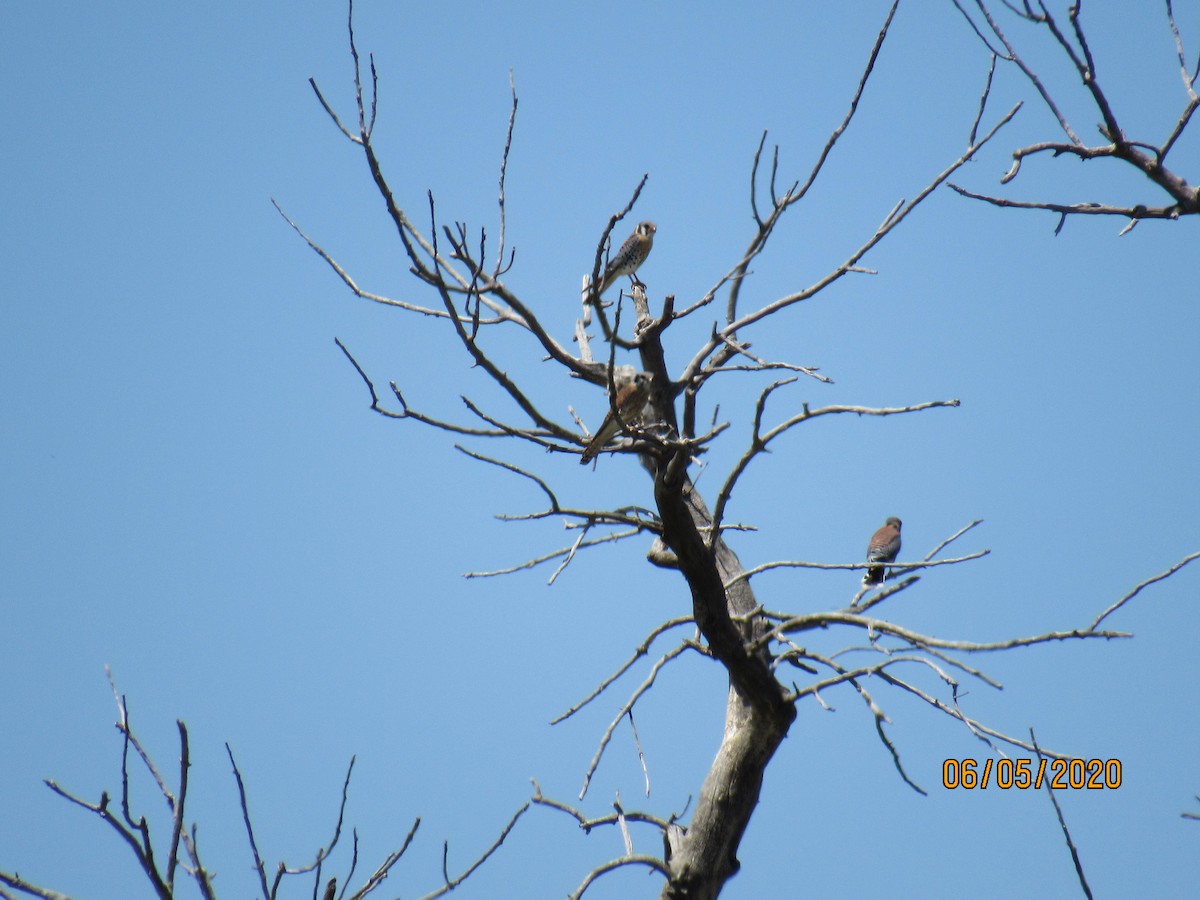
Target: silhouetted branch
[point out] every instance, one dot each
(1145, 156)
(780, 205)
(353, 285)
(1062, 823)
(15, 881)
(642, 650)
(259, 866)
(651, 862)
(809, 621)
(903, 567)
(501, 267)
(1191, 815)
(136, 832)
(406, 412)
(1138, 589)
(379, 876)
(627, 707)
(451, 883)
(759, 439)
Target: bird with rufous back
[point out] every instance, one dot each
(883, 548)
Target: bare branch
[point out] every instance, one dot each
(1133, 213)
(627, 708)
(1146, 157)
(1085, 66)
(362, 124)
(554, 507)
(793, 196)
(881, 669)
(1011, 55)
(1062, 823)
(890, 223)
(757, 445)
(178, 805)
(259, 866)
(555, 554)
(754, 186)
(323, 852)
(380, 875)
(332, 115)
(760, 440)
(974, 726)
(15, 881)
(513, 309)
(902, 567)
(452, 883)
(762, 365)
(353, 285)
(950, 540)
(880, 720)
(810, 621)
(512, 119)
(779, 205)
(651, 862)
(586, 824)
(642, 650)
(983, 99)
(101, 809)
(637, 742)
(1191, 815)
(1138, 589)
(533, 435)
(406, 412)
(693, 369)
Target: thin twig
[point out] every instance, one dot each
(650, 862)
(15, 881)
(380, 875)
(512, 119)
(640, 651)
(627, 707)
(1138, 589)
(1062, 823)
(452, 883)
(259, 865)
(802, 564)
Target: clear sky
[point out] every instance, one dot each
(196, 494)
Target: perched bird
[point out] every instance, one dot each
(631, 397)
(884, 548)
(631, 255)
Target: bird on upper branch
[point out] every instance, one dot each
(631, 255)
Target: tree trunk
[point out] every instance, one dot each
(757, 715)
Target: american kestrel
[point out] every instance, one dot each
(884, 548)
(631, 255)
(631, 397)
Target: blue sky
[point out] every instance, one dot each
(197, 495)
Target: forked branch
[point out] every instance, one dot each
(1148, 157)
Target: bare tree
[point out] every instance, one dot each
(669, 428)
(726, 621)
